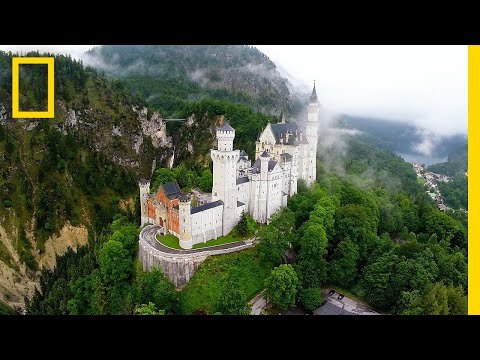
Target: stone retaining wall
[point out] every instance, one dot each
(179, 268)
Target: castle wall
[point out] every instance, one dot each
(243, 191)
(207, 225)
(180, 268)
(275, 191)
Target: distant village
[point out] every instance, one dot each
(431, 181)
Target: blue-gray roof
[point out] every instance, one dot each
(280, 129)
(313, 97)
(225, 127)
(242, 180)
(256, 166)
(207, 206)
(172, 190)
(331, 309)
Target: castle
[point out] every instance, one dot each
(284, 153)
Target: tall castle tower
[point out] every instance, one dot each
(263, 194)
(224, 175)
(144, 186)
(312, 136)
(185, 219)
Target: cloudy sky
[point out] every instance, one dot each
(426, 85)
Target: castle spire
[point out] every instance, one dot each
(313, 97)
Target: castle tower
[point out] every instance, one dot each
(311, 132)
(144, 186)
(224, 175)
(185, 219)
(263, 194)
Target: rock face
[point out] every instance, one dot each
(154, 127)
(16, 280)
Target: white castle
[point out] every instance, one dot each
(284, 153)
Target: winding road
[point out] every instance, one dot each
(149, 232)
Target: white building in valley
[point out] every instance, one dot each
(285, 152)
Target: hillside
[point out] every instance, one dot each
(61, 178)
(169, 76)
(404, 139)
(370, 230)
(60, 181)
(456, 163)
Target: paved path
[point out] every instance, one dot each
(258, 303)
(149, 233)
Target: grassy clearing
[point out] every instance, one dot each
(173, 242)
(243, 268)
(232, 237)
(169, 240)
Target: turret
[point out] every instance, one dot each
(311, 133)
(264, 159)
(144, 186)
(185, 219)
(225, 175)
(225, 136)
(313, 106)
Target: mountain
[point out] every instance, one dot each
(456, 163)
(412, 143)
(62, 179)
(455, 191)
(169, 76)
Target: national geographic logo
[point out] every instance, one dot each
(16, 62)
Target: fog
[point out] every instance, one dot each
(424, 85)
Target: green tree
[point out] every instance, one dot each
(246, 225)
(277, 236)
(311, 298)
(312, 266)
(205, 182)
(115, 263)
(128, 236)
(343, 266)
(162, 176)
(232, 301)
(437, 299)
(446, 228)
(154, 287)
(148, 309)
(281, 286)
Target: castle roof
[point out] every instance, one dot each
(242, 158)
(239, 203)
(172, 190)
(265, 154)
(242, 180)
(271, 165)
(280, 129)
(243, 153)
(207, 206)
(225, 127)
(313, 97)
(257, 165)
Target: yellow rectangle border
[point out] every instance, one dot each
(473, 171)
(16, 113)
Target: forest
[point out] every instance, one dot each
(366, 226)
(388, 245)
